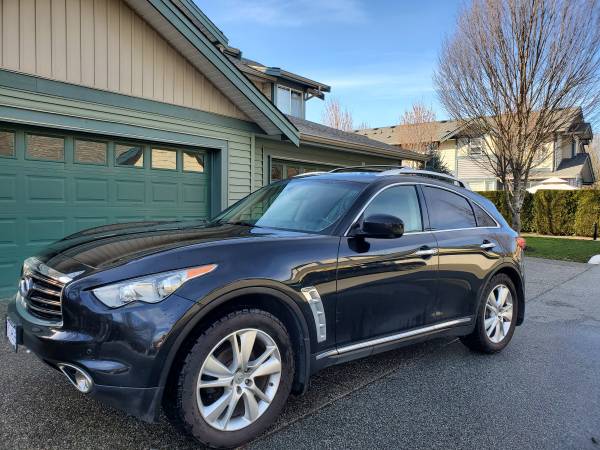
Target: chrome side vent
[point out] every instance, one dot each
(313, 298)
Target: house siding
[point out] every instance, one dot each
(105, 45)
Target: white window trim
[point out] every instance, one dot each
(480, 146)
(287, 88)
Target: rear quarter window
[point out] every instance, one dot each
(482, 217)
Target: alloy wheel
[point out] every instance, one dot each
(238, 379)
(498, 313)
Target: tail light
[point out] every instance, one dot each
(522, 243)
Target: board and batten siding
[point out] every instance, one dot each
(105, 45)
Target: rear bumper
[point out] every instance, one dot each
(124, 363)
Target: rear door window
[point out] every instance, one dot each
(447, 210)
(401, 202)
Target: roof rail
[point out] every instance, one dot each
(307, 174)
(370, 168)
(424, 173)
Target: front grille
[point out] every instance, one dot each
(43, 299)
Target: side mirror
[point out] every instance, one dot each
(381, 226)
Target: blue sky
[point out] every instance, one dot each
(378, 56)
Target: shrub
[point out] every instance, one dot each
(588, 212)
(560, 213)
(554, 212)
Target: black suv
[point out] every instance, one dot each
(217, 322)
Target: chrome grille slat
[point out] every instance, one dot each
(43, 300)
(46, 291)
(43, 310)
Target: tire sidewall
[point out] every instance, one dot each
(495, 281)
(191, 415)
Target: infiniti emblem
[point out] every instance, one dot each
(25, 285)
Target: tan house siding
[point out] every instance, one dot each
(447, 151)
(105, 45)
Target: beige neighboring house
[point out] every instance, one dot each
(463, 153)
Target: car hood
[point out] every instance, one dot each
(104, 247)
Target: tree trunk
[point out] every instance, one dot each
(515, 198)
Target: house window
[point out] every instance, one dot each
(290, 101)
(48, 148)
(7, 143)
(193, 162)
(280, 170)
(475, 146)
(129, 155)
(90, 152)
(164, 159)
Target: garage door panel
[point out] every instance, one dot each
(11, 269)
(44, 231)
(91, 190)
(130, 191)
(46, 189)
(194, 193)
(164, 192)
(8, 233)
(8, 188)
(82, 223)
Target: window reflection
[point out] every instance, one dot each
(193, 162)
(164, 159)
(129, 155)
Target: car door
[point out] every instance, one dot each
(387, 285)
(467, 252)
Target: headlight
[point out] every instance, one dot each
(150, 289)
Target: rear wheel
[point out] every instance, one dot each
(235, 379)
(496, 317)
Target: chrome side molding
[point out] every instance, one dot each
(395, 337)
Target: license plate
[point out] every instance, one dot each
(11, 334)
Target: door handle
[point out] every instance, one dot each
(487, 245)
(425, 252)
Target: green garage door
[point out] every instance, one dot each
(52, 185)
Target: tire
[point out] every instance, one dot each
(497, 337)
(232, 427)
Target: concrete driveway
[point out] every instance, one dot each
(543, 391)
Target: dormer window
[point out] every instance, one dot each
(290, 101)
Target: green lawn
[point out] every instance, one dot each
(563, 249)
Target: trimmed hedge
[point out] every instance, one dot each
(559, 213)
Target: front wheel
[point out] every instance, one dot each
(235, 379)
(496, 317)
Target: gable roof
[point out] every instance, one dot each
(568, 168)
(311, 132)
(180, 22)
(403, 135)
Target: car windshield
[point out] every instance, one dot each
(306, 205)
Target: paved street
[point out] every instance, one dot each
(543, 391)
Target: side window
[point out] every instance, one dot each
(483, 218)
(399, 201)
(448, 211)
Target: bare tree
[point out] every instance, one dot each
(517, 71)
(420, 130)
(335, 116)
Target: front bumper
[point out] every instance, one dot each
(123, 350)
